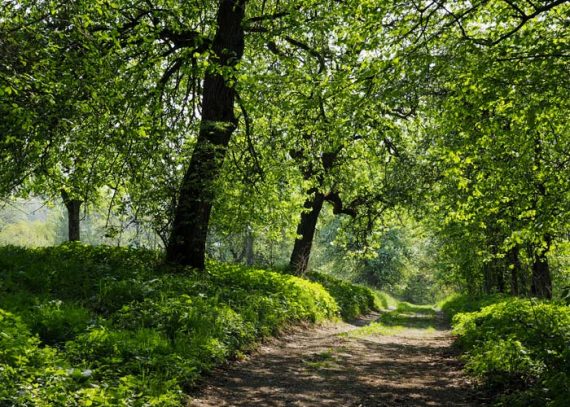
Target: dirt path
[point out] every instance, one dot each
(399, 359)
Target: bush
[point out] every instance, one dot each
(112, 326)
(385, 300)
(354, 300)
(519, 344)
(457, 303)
(73, 271)
(57, 322)
(29, 374)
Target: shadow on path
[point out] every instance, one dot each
(337, 365)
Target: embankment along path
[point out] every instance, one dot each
(403, 360)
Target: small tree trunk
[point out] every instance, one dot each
(541, 285)
(487, 279)
(249, 253)
(73, 217)
(187, 242)
(306, 230)
(500, 280)
(515, 266)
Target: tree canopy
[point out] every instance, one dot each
(210, 121)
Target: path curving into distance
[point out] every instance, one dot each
(401, 358)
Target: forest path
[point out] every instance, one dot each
(400, 358)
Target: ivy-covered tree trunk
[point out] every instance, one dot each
(187, 243)
(73, 207)
(306, 232)
(541, 285)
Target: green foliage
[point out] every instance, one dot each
(84, 325)
(32, 374)
(457, 303)
(402, 263)
(353, 299)
(518, 344)
(461, 113)
(389, 268)
(385, 300)
(57, 322)
(497, 139)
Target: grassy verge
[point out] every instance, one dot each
(353, 299)
(460, 303)
(520, 348)
(82, 326)
(404, 316)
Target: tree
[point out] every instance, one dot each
(498, 134)
(59, 138)
(187, 244)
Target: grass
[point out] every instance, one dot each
(406, 316)
(321, 360)
(84, 325)
(374, 328)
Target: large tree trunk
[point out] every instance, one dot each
(187, 243)
(541, 285)
(73, 216)
(306, 231)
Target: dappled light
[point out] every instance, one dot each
(353, 364)
(284, 203)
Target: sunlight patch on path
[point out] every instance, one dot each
(399, 358)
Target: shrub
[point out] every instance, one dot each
(457, 303)
(385, 300)
(112, 326)
(352, 299)
(519, 344)
(29, 375)
(57, 322)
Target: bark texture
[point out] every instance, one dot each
(306, 232)
(541, 285)
(187, 243)
(73, 207)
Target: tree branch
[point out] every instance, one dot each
(310, 50)
(334, 198)
(273, 16)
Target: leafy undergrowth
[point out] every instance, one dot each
(83, 326)
(353, 299)
(518, 347)
(457, 303)
(386, 301)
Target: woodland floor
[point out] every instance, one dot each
(403, 361)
